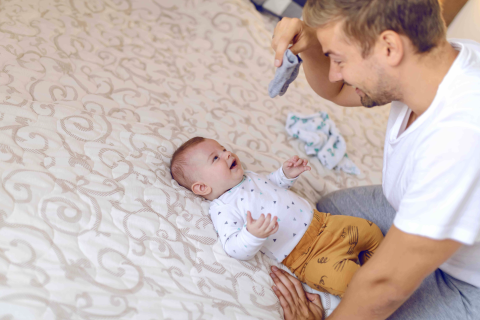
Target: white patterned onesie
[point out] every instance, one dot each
(260, 194)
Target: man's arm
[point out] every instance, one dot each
(315, 64)
(391, 276)
(380, 287)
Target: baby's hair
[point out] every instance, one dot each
(179, 161)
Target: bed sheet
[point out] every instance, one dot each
(95, 95)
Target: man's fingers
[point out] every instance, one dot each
(315, 301)
(285, 305)
(282, 46)
(281, 287)
(314, 298)
(293, 284)
(287, 286)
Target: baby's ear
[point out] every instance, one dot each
(201, 189)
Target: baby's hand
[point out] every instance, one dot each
(263, 226)
(294, 166)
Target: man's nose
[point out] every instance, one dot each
(334, 74)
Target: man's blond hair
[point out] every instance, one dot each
(364, 20)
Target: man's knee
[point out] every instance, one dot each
(328, 203)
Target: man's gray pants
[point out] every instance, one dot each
(440, 296)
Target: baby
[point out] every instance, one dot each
(320, 249)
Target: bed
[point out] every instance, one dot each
(94, 98)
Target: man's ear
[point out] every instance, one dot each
(201, 189)
(392, 47)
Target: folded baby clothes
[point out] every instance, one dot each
(322, 139)
(285, 74)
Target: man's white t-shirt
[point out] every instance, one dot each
(431, 171)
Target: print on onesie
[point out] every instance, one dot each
(322, 250)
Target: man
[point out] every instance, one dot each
(373, 52)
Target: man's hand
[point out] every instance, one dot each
(292, 31)
(263, 226)
(295, 166)
(296, 303)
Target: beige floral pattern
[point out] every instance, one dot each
(95, 95)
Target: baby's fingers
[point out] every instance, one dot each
(266, 222)
(249, 218)
(260, 221)
(272, 224)
(298, 162)
(293, 159)
(275, 229)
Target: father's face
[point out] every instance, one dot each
(347, 64)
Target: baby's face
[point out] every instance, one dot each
(216, 167)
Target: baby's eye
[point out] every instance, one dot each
(224, 150)
(215, 158)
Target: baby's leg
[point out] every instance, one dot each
(333, 262)
(361, 237)
(330, 272)
(369, 241)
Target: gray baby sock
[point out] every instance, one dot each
(285, 74)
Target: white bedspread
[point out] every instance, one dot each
(94, 98)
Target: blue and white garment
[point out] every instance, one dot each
(322, 139)
(259, 194)
(281, 8)
(285, 74)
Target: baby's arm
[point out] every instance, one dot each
(289, 172)
(234, 236)
(280, 180)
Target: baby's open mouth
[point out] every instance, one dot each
(234, 163)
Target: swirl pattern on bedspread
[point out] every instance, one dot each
(95, 95)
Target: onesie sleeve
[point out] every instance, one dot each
(442, 199)
(278, 177)
(232, 231)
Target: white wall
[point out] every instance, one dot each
(467, 22)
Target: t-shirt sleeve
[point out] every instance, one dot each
(442, 200)
(278, 177)
(234, 236)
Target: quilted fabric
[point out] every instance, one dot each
(95, 95)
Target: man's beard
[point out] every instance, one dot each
(384, 94)
(380, 100)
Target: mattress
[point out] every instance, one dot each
(95, 96)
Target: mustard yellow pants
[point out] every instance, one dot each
(326, 256)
